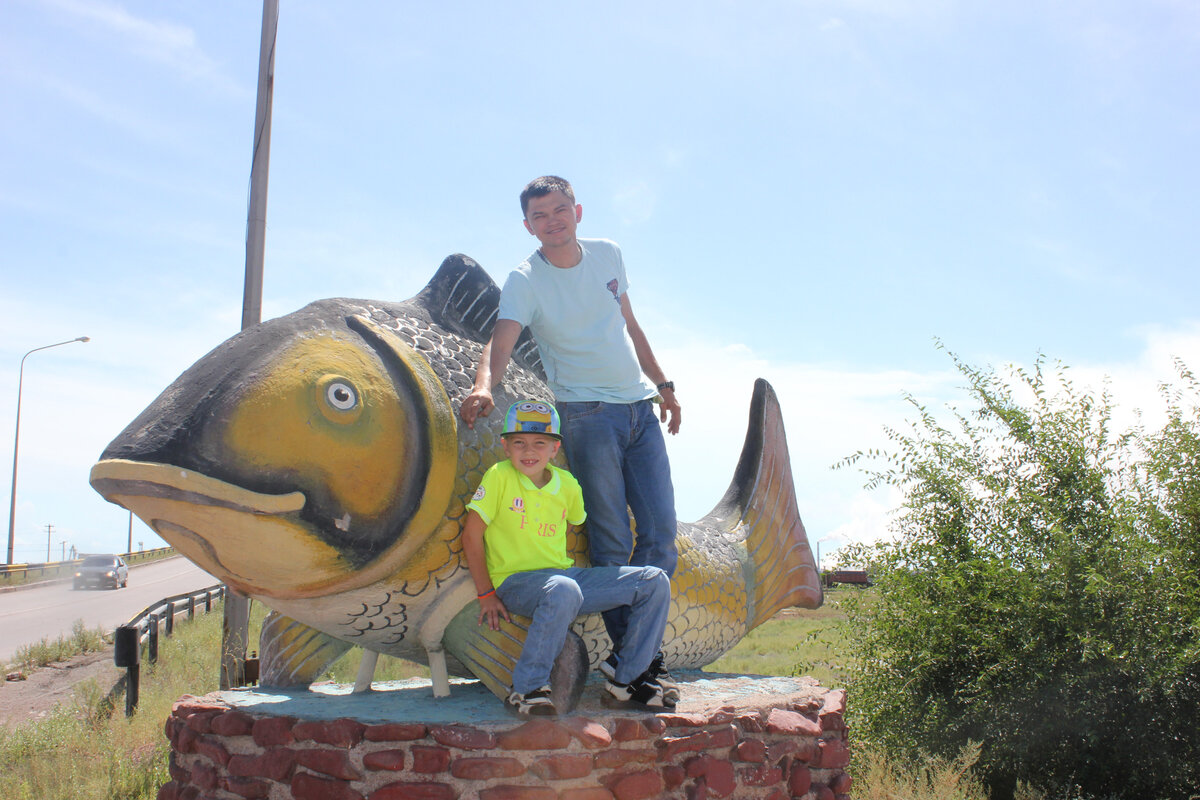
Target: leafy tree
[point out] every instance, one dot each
(1042, 592)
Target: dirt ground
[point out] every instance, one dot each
(35, 697)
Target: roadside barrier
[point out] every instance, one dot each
(12, 574)
(144, 628)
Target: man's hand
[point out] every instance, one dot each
(670, 406)
(491, 608)
(492, 363)
(478, 403)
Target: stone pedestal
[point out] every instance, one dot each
(730, 737)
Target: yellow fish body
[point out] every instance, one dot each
(315, 462)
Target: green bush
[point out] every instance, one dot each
(1042, 592)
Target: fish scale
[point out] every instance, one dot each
(315, 462)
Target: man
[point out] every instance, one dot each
(571, 293)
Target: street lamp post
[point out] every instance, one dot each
(826, 539)
(12, 502)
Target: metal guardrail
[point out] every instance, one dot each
(11, 573)
(145, 628)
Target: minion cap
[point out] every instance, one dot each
(532, 416)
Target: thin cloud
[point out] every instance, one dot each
(123, 118)
(635, 204)
(165, 43)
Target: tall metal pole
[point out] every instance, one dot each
(235, 632)
(12, 500)
(256, 221)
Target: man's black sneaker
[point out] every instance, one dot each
(641, 694)
(658, 673)
(536, 703)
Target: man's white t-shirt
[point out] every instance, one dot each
(575, 317)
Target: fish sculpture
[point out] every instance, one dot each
(315, 462)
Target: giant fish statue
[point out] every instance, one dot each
(315, 462)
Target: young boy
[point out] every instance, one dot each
(515, 541)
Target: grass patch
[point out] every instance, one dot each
(931, 778)
(801, 643)
(84, 749)
(82, 640)
(387, 669)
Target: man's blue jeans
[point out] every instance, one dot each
(617, 453)
(552, 598)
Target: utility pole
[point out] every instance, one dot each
(49, 530)
(235, 632)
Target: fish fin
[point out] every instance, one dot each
(762, 500)
(492, 655)
(463, 298)
(293, 654)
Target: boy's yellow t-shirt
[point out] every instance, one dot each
(526, 526)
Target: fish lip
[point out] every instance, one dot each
(140, 478)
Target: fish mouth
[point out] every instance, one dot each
(233, 533)
(121, 476)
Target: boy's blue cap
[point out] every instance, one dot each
(532, 416)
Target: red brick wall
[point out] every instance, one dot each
(797, 751)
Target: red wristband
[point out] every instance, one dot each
(485, 594)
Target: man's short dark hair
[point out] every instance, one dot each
(540, 187)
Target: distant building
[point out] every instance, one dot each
(854, 577)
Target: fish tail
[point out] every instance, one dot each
(761, 500)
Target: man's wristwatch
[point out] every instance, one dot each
(666, 385)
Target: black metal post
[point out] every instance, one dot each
(152, 642)
(132, 678)
(127, 653)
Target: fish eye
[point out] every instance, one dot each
(338, 399)
(341, 396)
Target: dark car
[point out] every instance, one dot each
(106, 570)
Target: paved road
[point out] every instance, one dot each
(46, 612)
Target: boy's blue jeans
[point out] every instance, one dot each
(552, 598)
(617, 453)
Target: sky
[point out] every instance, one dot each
(813, 192)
